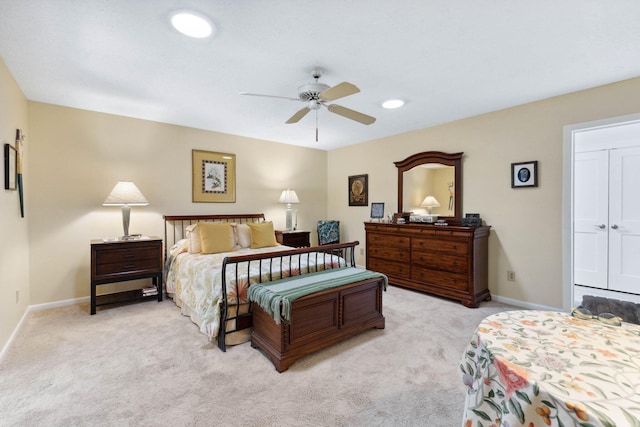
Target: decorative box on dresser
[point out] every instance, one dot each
(449, 261)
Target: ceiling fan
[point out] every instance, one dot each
(316, 95)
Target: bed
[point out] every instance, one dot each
(194, 279)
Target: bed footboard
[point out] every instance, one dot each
(294, 262)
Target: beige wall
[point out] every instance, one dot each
(14, 246)
(526, 223)
(78, 156)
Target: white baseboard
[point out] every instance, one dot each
(13, 334)
(39, 307)
(57, 304)
(524, 304)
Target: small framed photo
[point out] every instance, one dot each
(10, 167)
(358, 190)
(377, 210)
(214, 177)
(524, 174)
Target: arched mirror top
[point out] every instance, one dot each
(432, 160)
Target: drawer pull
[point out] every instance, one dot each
(129, 266)
(129, 255)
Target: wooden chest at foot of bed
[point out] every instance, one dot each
(318, 321)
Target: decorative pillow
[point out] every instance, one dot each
(179, 247)
(243, 235)
(216, 237)
(193, 236)
(262, 235)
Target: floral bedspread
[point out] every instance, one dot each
(540, 368)
(195, 280)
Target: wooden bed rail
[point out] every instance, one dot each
(323, 257)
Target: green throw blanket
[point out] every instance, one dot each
(275, 297)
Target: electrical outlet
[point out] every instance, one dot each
(17, 296)
(511, 276)
(361, 251)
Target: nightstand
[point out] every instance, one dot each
(294, 238)
(123, 260)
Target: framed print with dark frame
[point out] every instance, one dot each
(214, 177)
(377, 210)
(524, 174)
(10, 167)
(358, 190)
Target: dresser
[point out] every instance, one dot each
(124, 260)
(449, 261)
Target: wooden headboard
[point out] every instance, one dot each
(175, 225)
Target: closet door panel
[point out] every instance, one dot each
(591, 218)
(624, 220)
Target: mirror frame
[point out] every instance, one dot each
(448, 159)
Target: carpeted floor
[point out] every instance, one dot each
(147, 365)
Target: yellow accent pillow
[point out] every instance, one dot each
(215, 237)
(262, 235)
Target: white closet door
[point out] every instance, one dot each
(624, 220)
(591, 218)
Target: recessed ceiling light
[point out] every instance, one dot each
(191, 24)
(393, 103)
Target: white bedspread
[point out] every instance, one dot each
(195, 280)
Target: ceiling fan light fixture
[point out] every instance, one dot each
(393, 103)
(191, 24)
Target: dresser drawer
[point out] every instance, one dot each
(441, 261)
(390, 268)
(374, 239)
(440, 278)
(452, 233)
(456, 247)
(127, 267)
(107, 256)
(389, 253)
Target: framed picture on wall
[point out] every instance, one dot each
(10, 167)
(358, 190)
(377, 210)
(524, 174)
(214, 177)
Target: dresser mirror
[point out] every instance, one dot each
(431, 173)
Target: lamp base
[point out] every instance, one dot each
(289, 218)
(131, 237)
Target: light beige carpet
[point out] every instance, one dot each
(147, 365)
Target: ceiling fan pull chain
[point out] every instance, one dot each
(316, 125)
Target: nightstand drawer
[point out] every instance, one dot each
(125, 255)
(127, 267)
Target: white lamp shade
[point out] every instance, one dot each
(429, 202)
(289, 196)
(125, 193)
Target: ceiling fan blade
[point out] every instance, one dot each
(351, 114)
(338, 91)
(297, 116)
(269, 96)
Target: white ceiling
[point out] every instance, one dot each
(448, 59)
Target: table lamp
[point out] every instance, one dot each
(289, 197)
(429, 202)
(125, 194)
